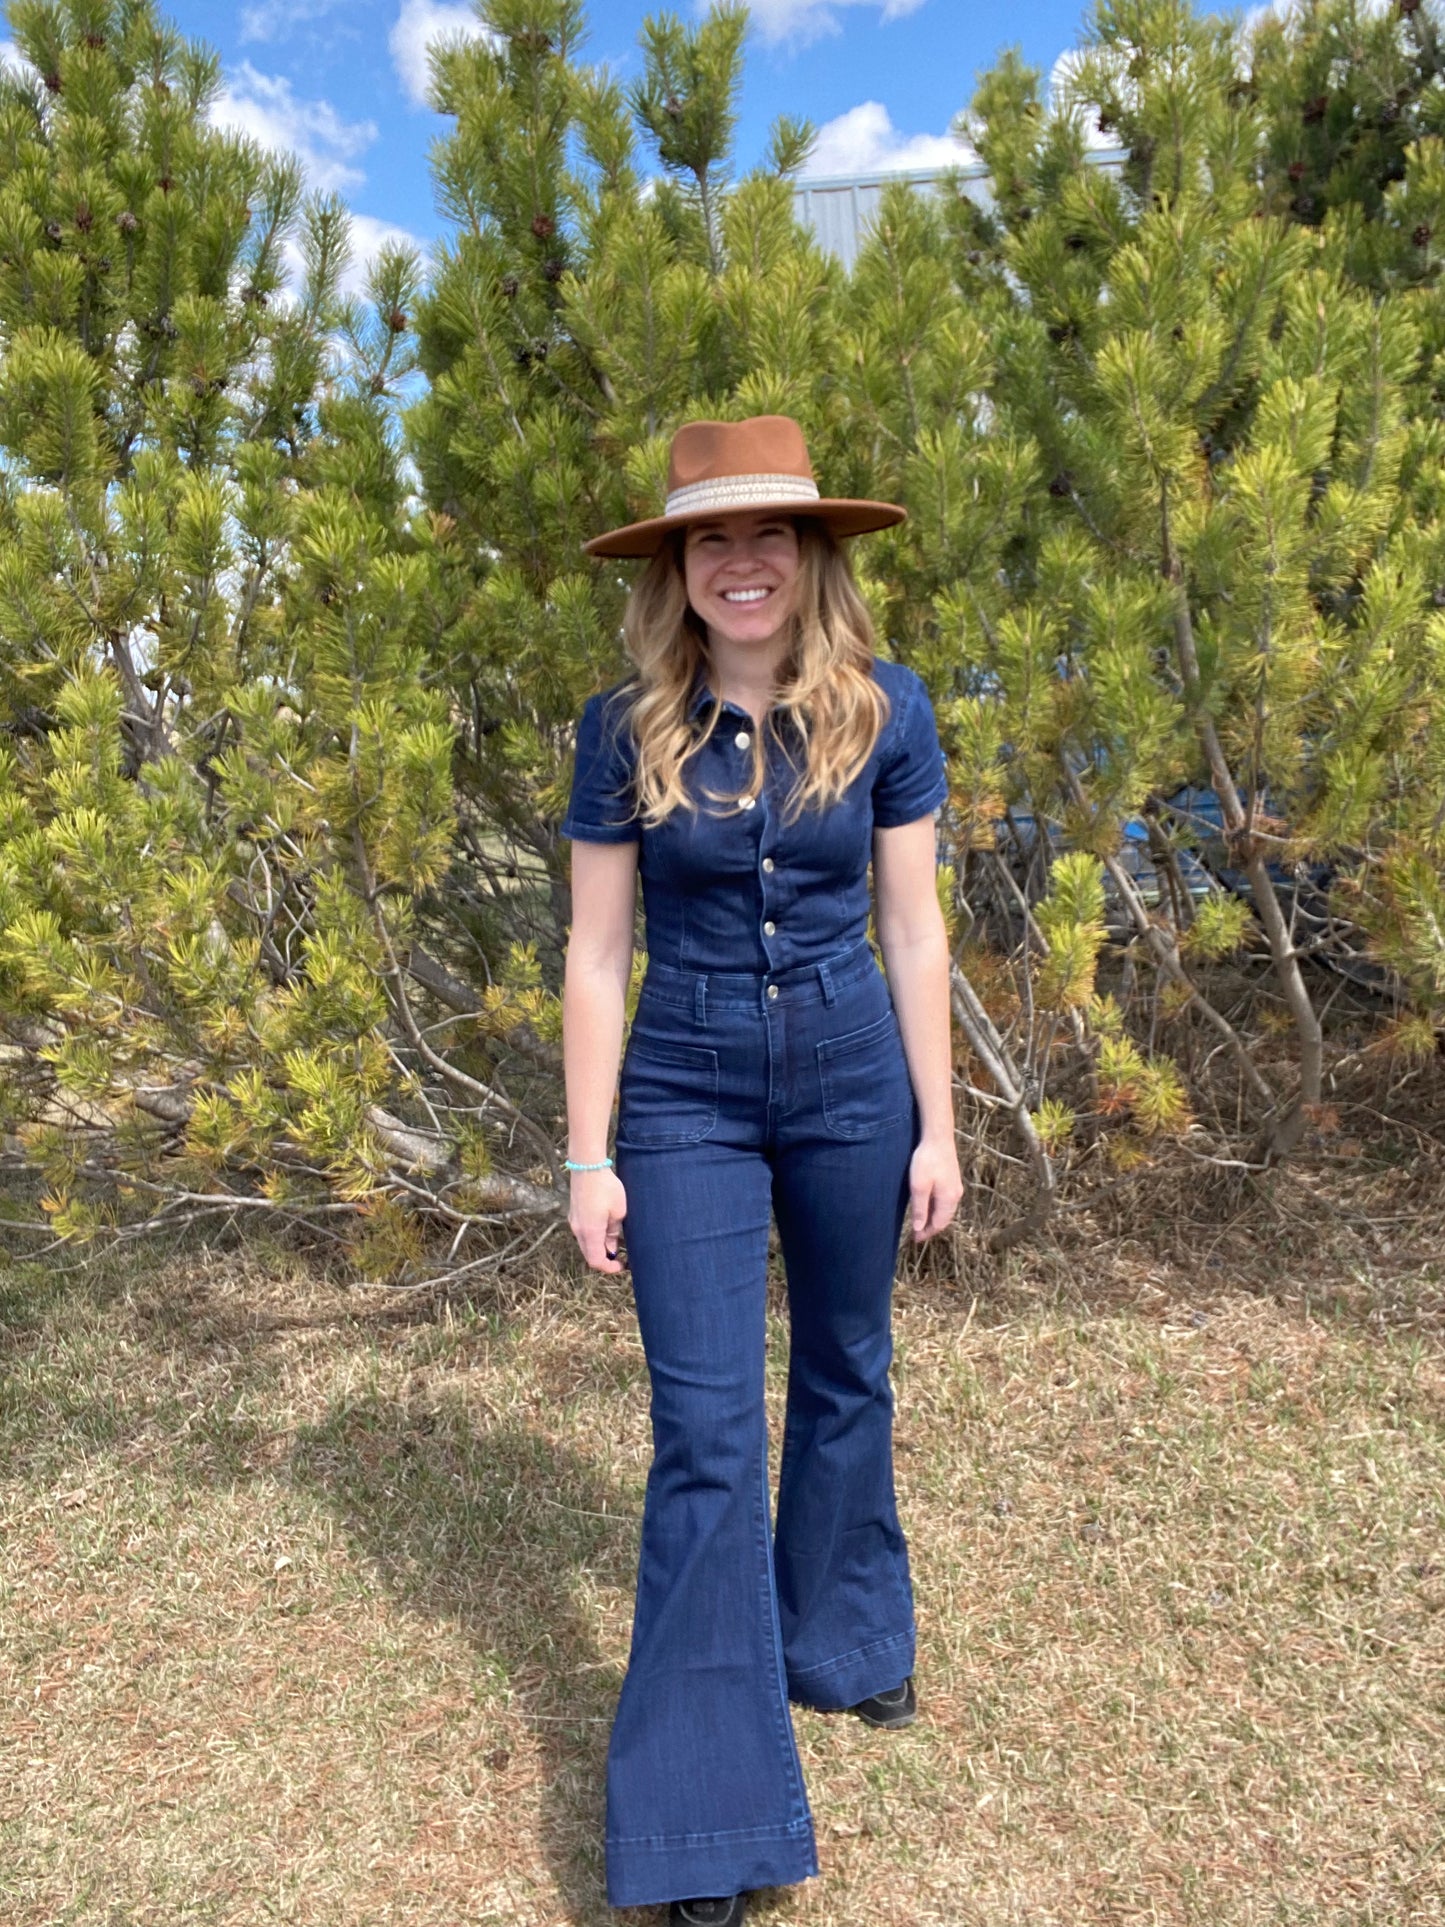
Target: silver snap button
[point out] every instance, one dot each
(772, 990)
(767, 863)
(742, 739)
(769, 928)
(747, 802)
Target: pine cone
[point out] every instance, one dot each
(1421, 236)
(126, 221)
(510, 285)
(1296, 170)
(54, 230)
(1315, 109)
(554, 269)
(543, 225)
(396, 321)
(84, 219)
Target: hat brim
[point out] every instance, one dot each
(643, 539)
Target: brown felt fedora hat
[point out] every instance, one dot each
(718, 468)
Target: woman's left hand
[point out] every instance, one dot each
(936, 1185)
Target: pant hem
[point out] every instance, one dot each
(653, 1872)
(853, 1676)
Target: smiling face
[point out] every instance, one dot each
(742, 574)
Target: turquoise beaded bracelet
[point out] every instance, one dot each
(568, 1165)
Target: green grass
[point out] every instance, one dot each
(314, 1603)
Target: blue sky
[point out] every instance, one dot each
(341, 80)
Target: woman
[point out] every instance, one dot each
(748, 771)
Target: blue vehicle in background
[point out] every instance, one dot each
(1303, 889)
(1196, 868)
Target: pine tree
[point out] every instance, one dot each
(1221, 565)
(220, 744)
(578, 313)
(284, 745)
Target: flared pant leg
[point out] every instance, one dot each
(844, 1595)
(704, 1789)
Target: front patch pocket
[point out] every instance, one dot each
(864, 1078)
(668, 1093)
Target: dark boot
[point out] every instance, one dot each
(897, 1707)
(727, 1912)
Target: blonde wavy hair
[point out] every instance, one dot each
(825, 690)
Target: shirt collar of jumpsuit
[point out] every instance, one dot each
(763, 1078)
(701, 699)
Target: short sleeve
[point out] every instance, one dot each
(601, 802)
(912, 779)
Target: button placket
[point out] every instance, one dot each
(770, 927)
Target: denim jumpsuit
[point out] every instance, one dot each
(764, 1076)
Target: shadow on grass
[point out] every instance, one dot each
(479, 1521)
(494, 1531)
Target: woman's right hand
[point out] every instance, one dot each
(598, 1206)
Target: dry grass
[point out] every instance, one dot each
(314, 1602)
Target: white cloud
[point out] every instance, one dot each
(368, 237)
(865, 141)
(264, 107)
(1056, 97)
(419, 23)
(276, 19)
(800, 21)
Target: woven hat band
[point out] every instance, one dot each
(740, 492)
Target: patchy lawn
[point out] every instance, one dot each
(314, 1603)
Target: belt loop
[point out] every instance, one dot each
(825, 978)
(699, 1001)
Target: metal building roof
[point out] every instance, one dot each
(839, 207)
